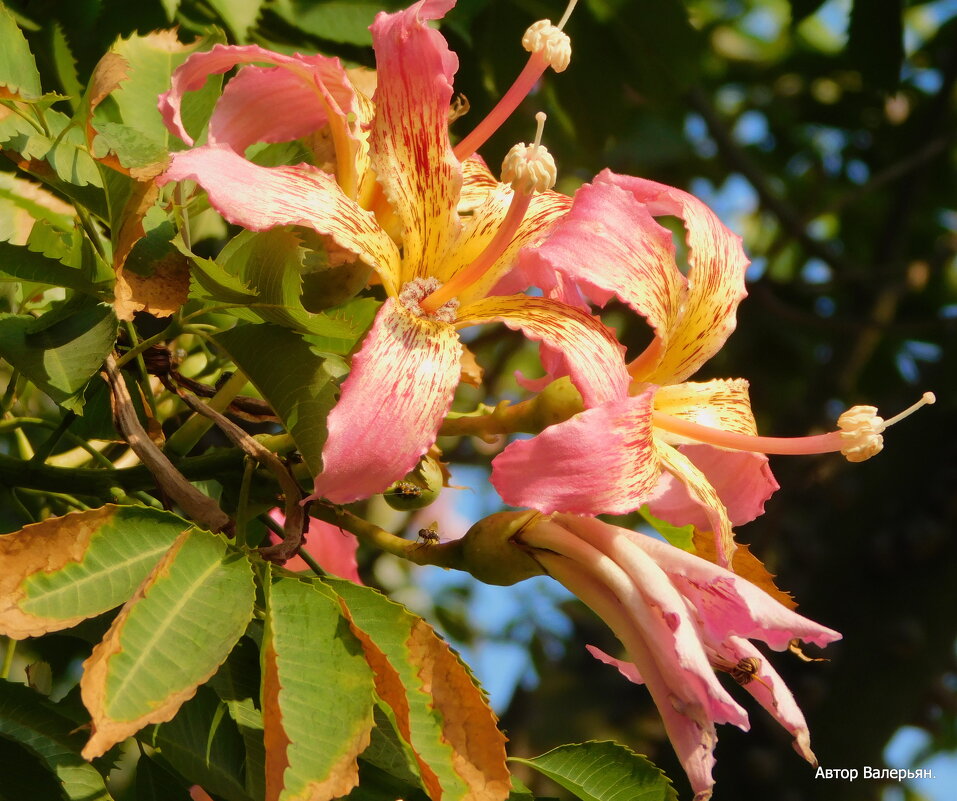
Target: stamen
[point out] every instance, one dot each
(529, 169)
(858, 438)
(861, 428)
(413, 294)
(549, 47)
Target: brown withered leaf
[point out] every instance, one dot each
(47, 547)
(160, 294)
(746, 565)
(274, 735)
(469, 725)
(109, 72)
(141, 200)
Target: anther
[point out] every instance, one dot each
(861, 428)
(549, 42)
(530, 168)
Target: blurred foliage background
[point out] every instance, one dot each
(825, 134)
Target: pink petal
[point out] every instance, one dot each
(591, 354)
(742, 480)
(627, 669)
(259, 198)
(602, 460)
(772, 693)
(410, 149)
(333, 548)
(193, 72)
(399, 390)
(609, 245)
(715, 278)
(729, 604)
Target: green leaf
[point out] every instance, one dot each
(437, 707)
(66, 569)
(20, 198)
(291, 377)
(64, 64)
(27, 718)
(239, 15)
(18, 69)
(603, 771)
(203, 746)
(271, 263)
(60, 351)
(317, 695)
(156, 783)
(200, 593)
(151, 60)
(679, 536)
(19, 263)
(31, 779)
(132, 147)
(336, 21)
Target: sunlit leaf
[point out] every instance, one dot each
(171, 636)
(679, 536)
(603, 771)
(18, 70)
(65, 569)
(26, 717)
(317, 694)
(439, 709)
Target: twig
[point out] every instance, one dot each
(194, 503)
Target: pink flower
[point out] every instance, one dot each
(333, 548)
(679, 618)
(440, 231)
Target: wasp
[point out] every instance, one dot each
(745, 671)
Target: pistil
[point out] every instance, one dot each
(529, 169)
(549, 46)
(858, 438)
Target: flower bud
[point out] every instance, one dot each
(418, 489)
(490, 553)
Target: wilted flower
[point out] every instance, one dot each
(680, 618)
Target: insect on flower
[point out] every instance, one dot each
(429, 535)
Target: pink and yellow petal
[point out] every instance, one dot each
(410, 149)
(593, 357)
(610, 245)
(397, 393)
(721, 403)
(192, 74)
(601, 460)
(259, 198)
(701, 492)
(742, 480)
(717, 264)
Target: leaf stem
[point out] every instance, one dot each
(11, 649)
(45, 448)
(141, 364)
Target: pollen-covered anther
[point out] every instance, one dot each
(529, 169)
(861, 428)
(414, 292)
(550, 42)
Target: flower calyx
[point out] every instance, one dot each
(491, 552)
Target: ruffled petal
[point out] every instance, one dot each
(715, 279)
(399, 390)
(192, 74)
(627, 669)
(259, 198)
(601, 460)
(730, 604)
(742, 480)
(769, 690)
(703, 494)
(609, 245)
(592, 356)
(410, 148)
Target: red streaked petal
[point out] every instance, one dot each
(715, 278)
(603, 460)
(410, 149)
(259, 198)
(192, 74)
(720, 403)
(399, 390)
(593, 357)
(610, 245)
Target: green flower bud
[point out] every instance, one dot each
(490, 553)
(418, 489)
